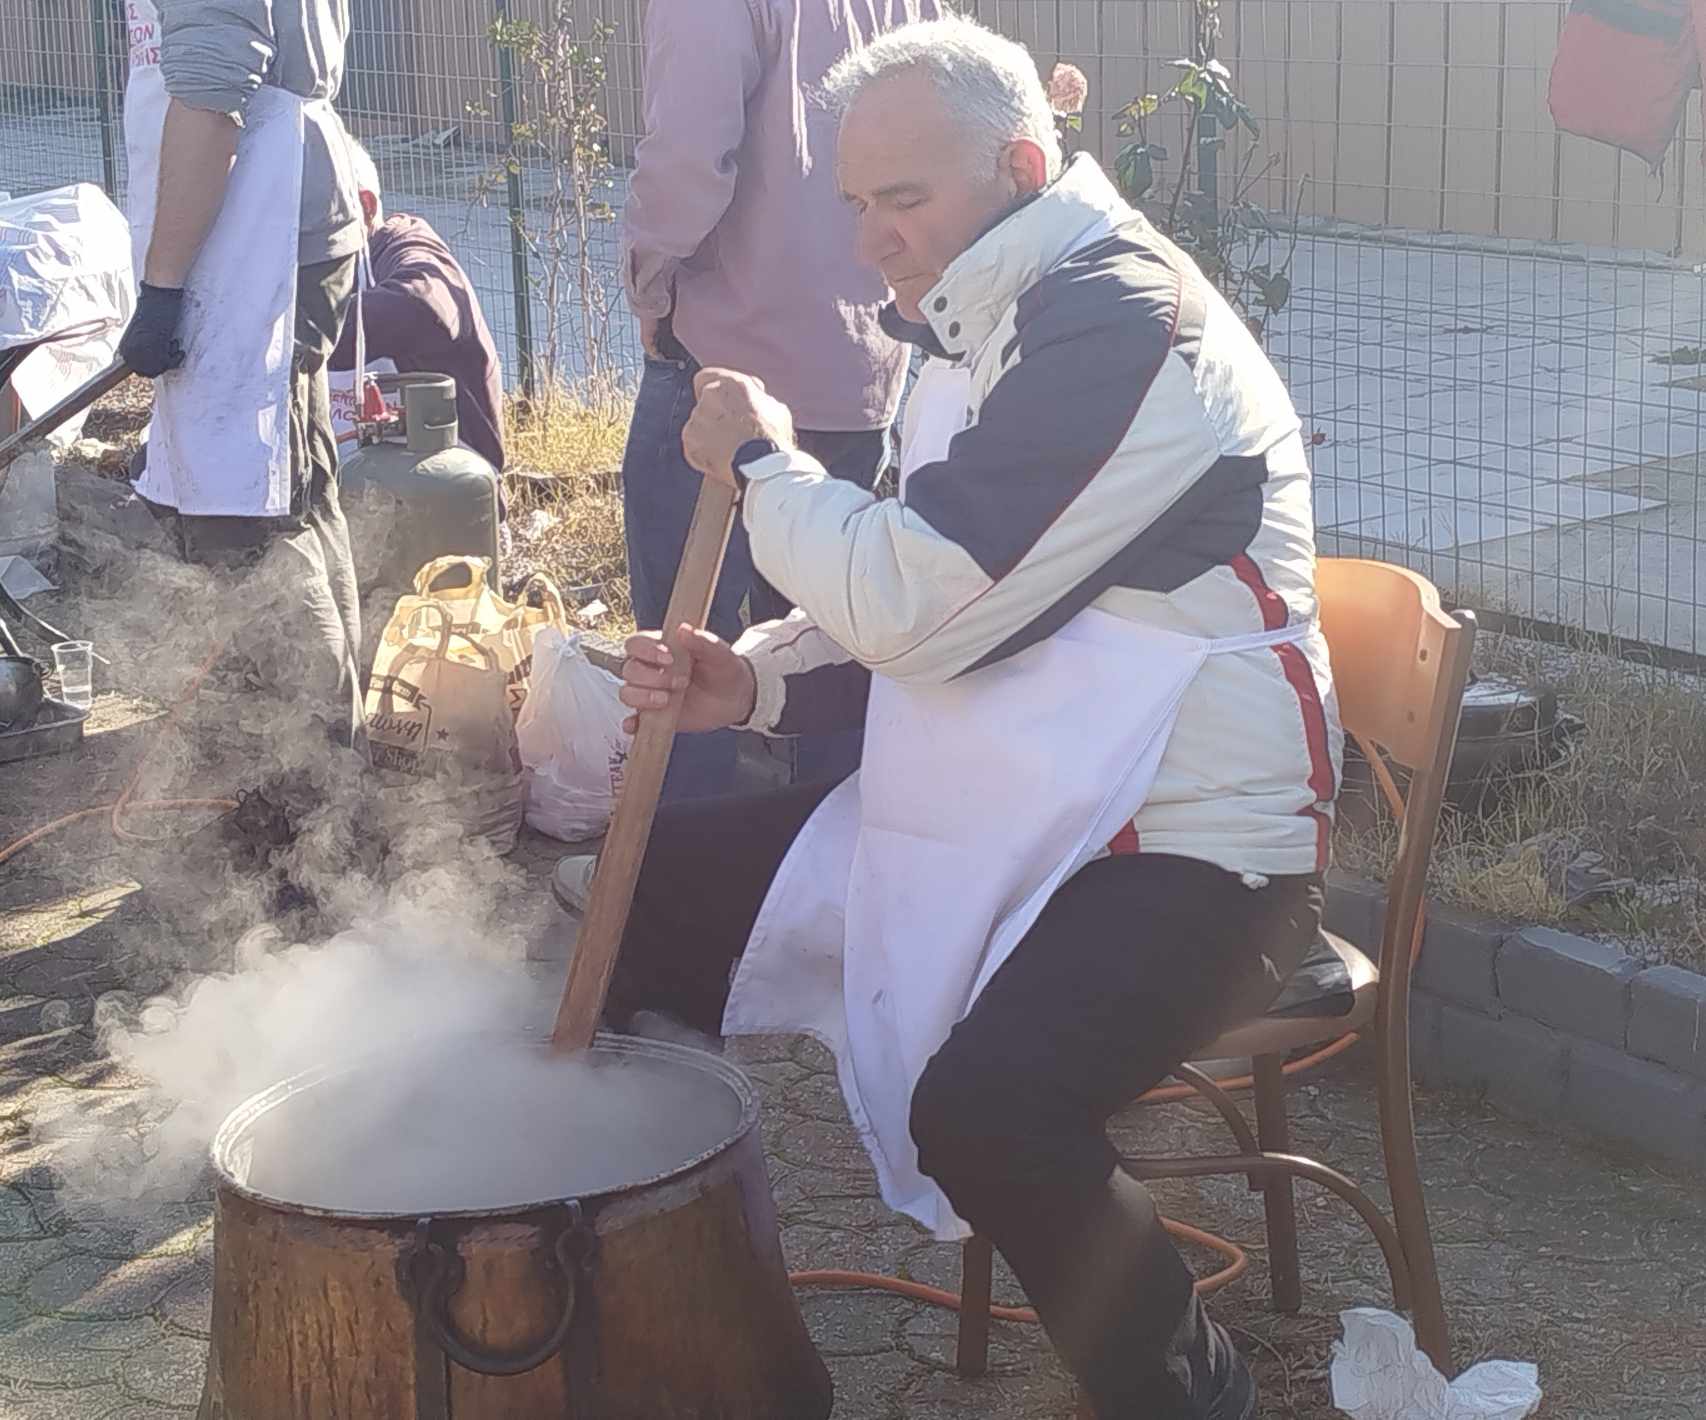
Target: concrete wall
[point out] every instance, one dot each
(1426, 114)
(419, 66)
(49, 49)
(1554, 1028)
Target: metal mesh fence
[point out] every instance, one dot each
(1494, 331)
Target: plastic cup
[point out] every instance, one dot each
(75, 662)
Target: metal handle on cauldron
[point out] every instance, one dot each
(430, 1275)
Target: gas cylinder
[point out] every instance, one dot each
(411, 493)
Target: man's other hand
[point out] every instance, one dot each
(732, 410)
(719, 687)
(150, 344)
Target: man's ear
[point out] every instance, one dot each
(1025, 165)
(370, 207)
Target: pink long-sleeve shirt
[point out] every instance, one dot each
(734, 220)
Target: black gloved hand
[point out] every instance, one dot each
(150, 343)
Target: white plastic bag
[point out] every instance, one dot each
(65, 279)
(1378, 1374)
(573, 746)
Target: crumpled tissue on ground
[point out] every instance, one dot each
(1378, 1374)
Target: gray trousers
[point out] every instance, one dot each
(291, 580)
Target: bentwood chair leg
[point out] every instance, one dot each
(977, 1281)
(1274, 1132)
(1410, 1216)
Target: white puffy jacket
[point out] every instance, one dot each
(1130, 447)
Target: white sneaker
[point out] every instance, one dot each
(571, 884)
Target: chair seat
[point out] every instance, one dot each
(1279, 1035)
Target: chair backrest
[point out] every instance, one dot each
(1400, 663)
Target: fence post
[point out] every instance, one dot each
(1208, 162)
(519, 276)
(100, 11)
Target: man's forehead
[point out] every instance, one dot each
(895, 132)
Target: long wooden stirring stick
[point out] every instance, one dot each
(642, 779)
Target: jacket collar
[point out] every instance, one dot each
(963, 309)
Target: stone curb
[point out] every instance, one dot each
(1554, 1028)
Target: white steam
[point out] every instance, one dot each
(403, 980)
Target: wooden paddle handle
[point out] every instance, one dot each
(642, 779)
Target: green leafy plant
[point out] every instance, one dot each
(559, 135)
(1232, 239)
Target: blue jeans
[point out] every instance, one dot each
(659, 489)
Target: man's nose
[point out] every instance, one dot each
(877, 240)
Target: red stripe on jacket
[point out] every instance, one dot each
(1301, 677)
(1275, 613)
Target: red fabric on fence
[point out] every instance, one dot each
(1624, 71)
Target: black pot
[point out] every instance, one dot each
(21, 691)
(1506, 734)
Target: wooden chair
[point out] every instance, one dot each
(1400, 664)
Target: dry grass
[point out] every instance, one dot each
(1631, 792)
(565, 499)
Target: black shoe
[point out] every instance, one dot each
(1208, 1367)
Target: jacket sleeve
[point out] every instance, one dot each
(702, 65)
(1092, 433)
(405, 317)
(806, 683)
(214, 54)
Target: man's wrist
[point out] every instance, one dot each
(751, 701)
(750, 453)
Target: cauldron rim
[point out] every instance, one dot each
(237, 1124)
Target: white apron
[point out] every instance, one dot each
(220, 440)
(144, 119)
(915, 879)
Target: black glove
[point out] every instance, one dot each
(150, 343)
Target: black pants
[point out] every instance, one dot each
(301, 614)
(1136, 963)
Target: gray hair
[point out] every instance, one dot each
(989, 83)
(364, 174)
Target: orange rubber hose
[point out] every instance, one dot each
(1238, 1263)
(122, 805)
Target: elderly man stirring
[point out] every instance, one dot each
(1102, 747)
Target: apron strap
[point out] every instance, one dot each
(364, 407)
(1260, 640)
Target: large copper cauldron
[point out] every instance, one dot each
(664, 1299)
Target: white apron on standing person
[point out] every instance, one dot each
(916, 878)
(145, 101)
(220, 440)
